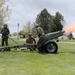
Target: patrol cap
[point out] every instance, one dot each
(5, 25)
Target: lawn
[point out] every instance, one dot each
(33, 63)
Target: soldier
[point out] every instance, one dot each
(30, 40)
(5, 31)
(39, 30)
(41, 40)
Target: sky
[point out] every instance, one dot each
(27, 10)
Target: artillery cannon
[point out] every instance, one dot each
(46, 43)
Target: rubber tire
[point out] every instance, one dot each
(51, 43)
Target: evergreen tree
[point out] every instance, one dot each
(48, 22)
(43, 20)
(57, 22)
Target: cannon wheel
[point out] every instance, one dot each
(51, 47)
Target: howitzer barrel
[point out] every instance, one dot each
(54, 35)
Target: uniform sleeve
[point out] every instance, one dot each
(26, 40)
(8, 31)
(1, 31)
(34, 40)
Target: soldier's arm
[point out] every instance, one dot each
(1, 31)
(26, 40)
(34, 40)
(8, 31)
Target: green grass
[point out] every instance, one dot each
(33, 63)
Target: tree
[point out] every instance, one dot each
(22, 33)
(57, 25)
(49, 23)
(43, 20)
(51, 26)
(1, 20)
(33, 29)
(27, 27)
(15, 34)
(4, 12)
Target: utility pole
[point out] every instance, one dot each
(18, 31)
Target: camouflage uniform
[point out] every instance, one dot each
(30, 40)
(39, 31)
(5, 31)
(41, 40)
